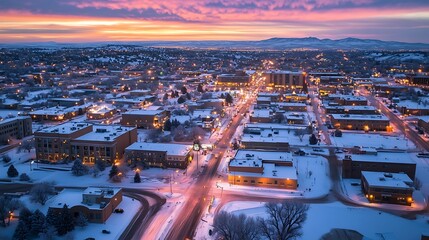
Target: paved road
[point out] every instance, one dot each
(186, 222)
(398, 122)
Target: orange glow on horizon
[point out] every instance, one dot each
(218, 24)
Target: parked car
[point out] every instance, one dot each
(317, 149)
(300, 152)
(105, 231)
(338, 150)
(119, 210)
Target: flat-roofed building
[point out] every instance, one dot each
(100, 112)
(387, 187)
(66, 102)
(263, 169)
(297, 97)
(53, 144)
(261, 116)
(158, 155)
(413, 108)
(233, 81)
(104, 142)
(15, 128)
(364, 110)
(58, 113)
(360, 122)
(291, 106)
(95, 204)
(148, 119)
(284, 79)
(354, 164)
(347, 100)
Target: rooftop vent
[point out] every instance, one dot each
(388, 175)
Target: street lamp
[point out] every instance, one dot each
(196, 147)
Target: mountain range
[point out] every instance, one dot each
(268, 44)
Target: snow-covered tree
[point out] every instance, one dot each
(24, 177)
(7, 205)
(65, 221)
(12, 172)
(137, 178)
(38, 221)
(40, 192)
(78, 169)
(21, 232)
(81, 221)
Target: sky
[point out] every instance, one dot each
(176, 20)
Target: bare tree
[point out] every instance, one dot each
(279, 117)
(231, 227)
(40, 192)
(284, 220)
(300, 133)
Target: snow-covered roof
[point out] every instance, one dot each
(144, 112)
(412, 105)
(104, 133)
(65, 128)
(371, 117)
(247, 157)
(390, 180)
(388, 157)
(8, 120)
(265, 113)
(107, 192)
(171, 149)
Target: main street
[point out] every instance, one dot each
(186, 222)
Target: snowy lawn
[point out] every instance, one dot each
(321, 218)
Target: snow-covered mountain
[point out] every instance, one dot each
(272, 43)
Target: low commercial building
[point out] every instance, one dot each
(65, 102)
(58, 113)
(158, 155)
(100, 112)
(53, 144)
(284, 79)
(387, 187)
(291, 97)
(15, 128)
(233, 81)
(413, 108)
(347, 100)
(148, 119)
(263, 169)
(291, 106)
(423, 122)
(362, 110)
(360, 122)
(104, 142)
(261, 116)
(354, 164)
(96, 204)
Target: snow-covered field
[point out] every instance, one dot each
(321, 218)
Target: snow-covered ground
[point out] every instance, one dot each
(116, 223)
(375, 140)
(321, 218)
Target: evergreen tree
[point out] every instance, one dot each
(175, 123)
(200, 88)
(184, 90)
(38, 220)
(48, 232)
(188, 96)
(222, 96)
(78, 169)
(167, 125)
(25, 216)
(12, 172)
(65, 221)
(165, 98)
(52, 218)
(313, 139)
(113, 171)
(229, 99)
(338, 133)
(81, 220)
(137, 178)
(100, 164)
(24, 177)
(181, 99)
(21, 231)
